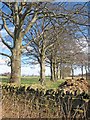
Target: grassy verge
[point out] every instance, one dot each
(34, 82)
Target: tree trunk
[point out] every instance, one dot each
(63, 71)
(60, 73)
(52, 72)
(60, 70)
(63, 75)
(42, 70)
(72, 72)
(57, 72)
(82, 70)
(16, 68)
(86, 72)
(16, 61)
(16, 51)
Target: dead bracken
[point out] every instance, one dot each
(75, 85)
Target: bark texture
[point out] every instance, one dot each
(42, 65)
(42, 72)
(51, 68)
(16, 66)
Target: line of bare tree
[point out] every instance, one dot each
(51, 34)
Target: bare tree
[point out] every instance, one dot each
(21, 17)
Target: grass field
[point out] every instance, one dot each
(34, 82)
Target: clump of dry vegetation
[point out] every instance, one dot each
(75, 86)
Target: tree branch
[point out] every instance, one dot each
(30, 24)
(5, 55)
(5, 43)
(33, 40)
(25, 46)
(6, 28)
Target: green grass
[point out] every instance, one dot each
(34, 82)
